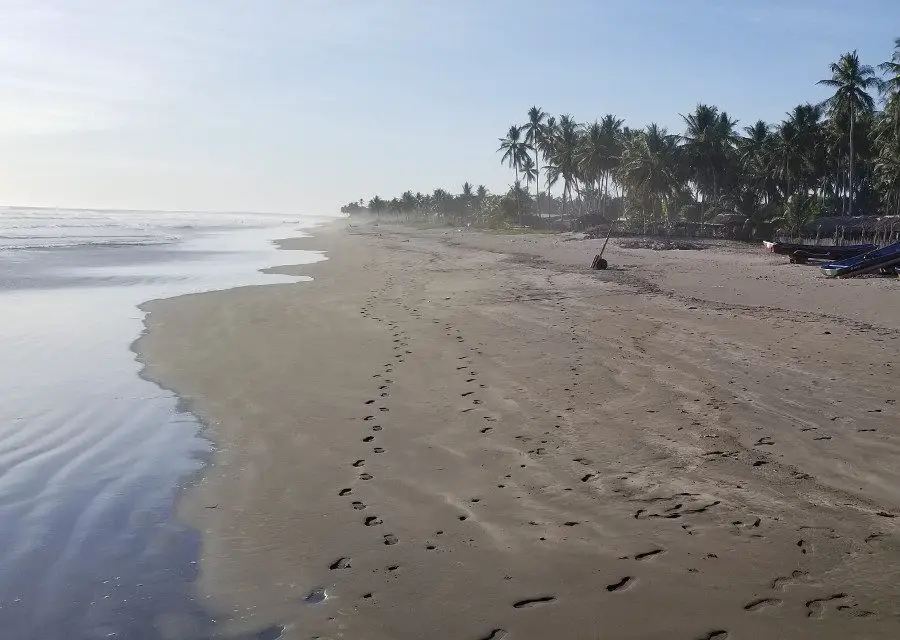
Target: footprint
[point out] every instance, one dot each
(531, 602)
(378, 449)
(816, 607)
(359, 463)
(649, 554)
(368, 438)
(495, 634)
(716, 634)
(345, 492)
(467, 393)
(371, 521)
(621, 584)
(761, 603)
(487, 430)
(390, 539)
(359, 506)
(366, 476)
(369, 402)
(340, 563)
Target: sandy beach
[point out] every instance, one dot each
(473, 436)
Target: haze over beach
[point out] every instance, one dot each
(393, 319)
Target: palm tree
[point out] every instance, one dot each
(611, 126)
(851, 82)
(515, 151)
(396, 205)
(529, 173)
(481, 194)
(534, 130)
(562, 160)
(377, 205)
(755, 152)
(890, 87)
(650, 169)
(545, 145)
(592, 154)
(709, 140)
(466, 198)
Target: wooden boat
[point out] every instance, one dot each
(882, 260)
(803, 252)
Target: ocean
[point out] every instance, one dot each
(93, 456)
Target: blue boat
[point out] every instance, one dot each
(884, 258)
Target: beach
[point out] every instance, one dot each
(454, 434)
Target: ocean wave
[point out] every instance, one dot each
(14, 243)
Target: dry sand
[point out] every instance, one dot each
(468, 436)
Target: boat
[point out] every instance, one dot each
(800, 253)
(882, 260)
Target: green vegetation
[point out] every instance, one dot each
(837, 158)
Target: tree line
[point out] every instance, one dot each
(838, 157)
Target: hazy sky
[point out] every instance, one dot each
(301, 105)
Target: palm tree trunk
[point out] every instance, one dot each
(518, 200)
(850, 195)
(537, 181)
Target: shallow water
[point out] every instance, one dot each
(91, 454)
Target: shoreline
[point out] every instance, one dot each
(651, 440)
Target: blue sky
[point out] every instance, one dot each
(301, 105)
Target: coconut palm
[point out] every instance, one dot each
(529, 173)
(709, 141)
(562, 162)
(515, 151)
(890, 87)
(650, 169)
(851, 81)
(396, 206)
(377, 205)
(545, 145)
(611, 126)
(534, 130)
(592, 155)
(887, 168)
(466, 198)
(755, 152)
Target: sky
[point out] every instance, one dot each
(299, 106)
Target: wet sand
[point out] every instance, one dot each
(467, 436)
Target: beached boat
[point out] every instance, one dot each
(882, 259)
(804, 252)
